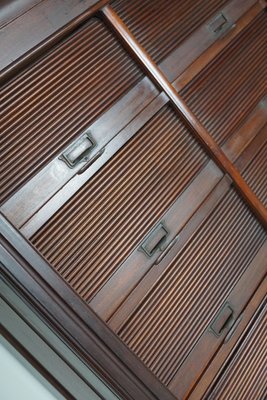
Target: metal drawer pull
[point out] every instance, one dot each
(217, 23)
(155, 240)
(166, 249)
(223, 320)
(91, 161)
(233, 329)
(78, 151)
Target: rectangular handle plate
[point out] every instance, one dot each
(155, 240)
(220, 25)
(78, 151)
(224, 319)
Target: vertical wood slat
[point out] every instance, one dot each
(198, 129)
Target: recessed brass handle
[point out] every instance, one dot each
(79, 151)
(155, 240)
(218, 23)
(223, 320)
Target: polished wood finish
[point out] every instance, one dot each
(56, 174)
(241, 21)
(47, 22)
(201, 133)
(67, 315)
(229, 346)
(250, 354)
(178, 133)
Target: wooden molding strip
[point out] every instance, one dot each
(250, 128)
(52, 177)
(73, 320)
(131, 303)
(233, 148)
(129, 273)
(71, 187)
(197, 128)
(251, 150)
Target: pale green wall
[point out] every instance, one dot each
(18, 380)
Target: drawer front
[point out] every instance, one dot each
(244, 375)
(88, 239)
(54, 100)
(126, 199)
(167, 323)
(255, 173)
(161, 29)
(231, 85)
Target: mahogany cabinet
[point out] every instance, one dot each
(134, 189)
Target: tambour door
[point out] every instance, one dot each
(143, 183)
(249, 354)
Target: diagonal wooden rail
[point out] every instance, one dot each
(213, 149)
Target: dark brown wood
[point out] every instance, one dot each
(206, 140)
(129, 273)
(47, 23)
(74, 320)
(219, 360)
(243, 136)
(63, 195)
(154, 274)
(189, 374)
(88, 225)
(54, 175)
(236, 149)
(248, 354)
(206, 56)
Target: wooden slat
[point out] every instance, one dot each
(130, 273)
(240, 22)
(106, 219)
(244, 376)
(255, 174)
(161, 27)
(230, 86)
(63, 195)
(201, 133)
(53, 101)
(246, 133)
